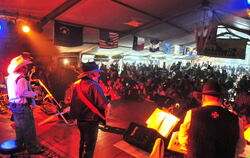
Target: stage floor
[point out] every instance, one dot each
(62, 140)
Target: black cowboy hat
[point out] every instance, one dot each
(88, 68)
(211, 87)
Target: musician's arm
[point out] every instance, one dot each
(107, 110)
(241, 142)
(183, 132)
(23, 89)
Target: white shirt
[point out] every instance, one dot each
(18, 91)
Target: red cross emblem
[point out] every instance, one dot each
(215, 115)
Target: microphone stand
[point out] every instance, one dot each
(58, 106)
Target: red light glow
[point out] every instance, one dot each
(133, 23)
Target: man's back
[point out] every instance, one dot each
(213, 133)
(93, 92)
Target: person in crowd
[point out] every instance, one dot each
(20, 98)
(242, 101)
(211, 131)
(89, 106)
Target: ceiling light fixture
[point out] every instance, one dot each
(133, 23)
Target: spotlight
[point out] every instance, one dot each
(65, 61)
(26, 28)
(2, 28)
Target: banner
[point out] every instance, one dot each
(67, 34)
(166, 48)
(226, 48)
(138, 43)
(108, 39)
(154, 46)
(206, 34)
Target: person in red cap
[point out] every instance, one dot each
(20, 98)
(211, 131)
(89, 106)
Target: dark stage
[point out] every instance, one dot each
(62, 140)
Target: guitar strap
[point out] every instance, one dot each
(88, 103)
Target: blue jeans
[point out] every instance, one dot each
(25, 127)
(88, 137)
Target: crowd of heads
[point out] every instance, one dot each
(173, 85)
(170, 86)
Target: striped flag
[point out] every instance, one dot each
(138, 43)
(154, 46)
(108, 39)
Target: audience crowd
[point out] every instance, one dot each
(173, 86)
(170, 87)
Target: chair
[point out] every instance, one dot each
(9, 147)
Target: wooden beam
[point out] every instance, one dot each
(57, 11)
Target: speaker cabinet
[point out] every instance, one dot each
(141, 136)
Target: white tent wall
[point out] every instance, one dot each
(139, 56)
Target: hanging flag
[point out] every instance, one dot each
(67, 34)
(166, 48)
(154, 46)
(138, 43)
(108, 39)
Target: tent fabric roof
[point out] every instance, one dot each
(167, 20)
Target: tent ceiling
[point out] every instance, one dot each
(168, 20)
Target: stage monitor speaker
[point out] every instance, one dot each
(141, 136)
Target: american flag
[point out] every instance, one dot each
(108, 39)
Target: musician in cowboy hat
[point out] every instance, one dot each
(89, 68)
(211, 130)
(89, 106)
(20, 97)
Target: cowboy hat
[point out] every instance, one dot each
(211, 87)
(16, 63)
(88, 68)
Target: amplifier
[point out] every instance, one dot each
(141, 136)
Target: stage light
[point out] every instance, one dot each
(248, 2)
(65, 61)
(26, 28)
(3, 28)
(10, 144)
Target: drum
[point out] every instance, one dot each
(40, 94)
(4, 102)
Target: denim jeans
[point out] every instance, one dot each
(25, 127)
(88, 137)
